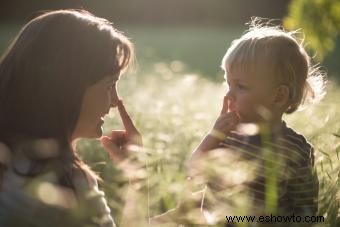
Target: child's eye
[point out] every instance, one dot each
(241, 87)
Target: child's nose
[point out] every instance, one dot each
(231, 103)
(230, 95)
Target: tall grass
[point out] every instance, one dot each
(174, 105)
(174, 110)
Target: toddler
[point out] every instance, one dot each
(269, 74)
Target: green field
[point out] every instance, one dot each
(174, 95)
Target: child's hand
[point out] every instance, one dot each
(226, 122)
(117, 145)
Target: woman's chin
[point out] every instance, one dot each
(99, 132)
(93, 133)
(96, 133)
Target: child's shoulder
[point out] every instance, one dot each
(297, 143)
(297, 138)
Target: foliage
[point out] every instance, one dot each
(320, 21)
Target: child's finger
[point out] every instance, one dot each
(127, 122)
(228, 105)
(225, 105)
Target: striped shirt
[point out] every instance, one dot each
(286, 164)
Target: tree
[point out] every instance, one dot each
(320, 20)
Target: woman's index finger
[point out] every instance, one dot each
(127, 122)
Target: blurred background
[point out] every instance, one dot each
(176, 91)
(194, 32)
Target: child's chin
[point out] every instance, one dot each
(246, 121)
(242, 119)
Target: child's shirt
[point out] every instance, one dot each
(287, 160)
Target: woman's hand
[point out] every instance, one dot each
(120, 141)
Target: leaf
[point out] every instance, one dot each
(336, 135)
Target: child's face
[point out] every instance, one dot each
(250, 95)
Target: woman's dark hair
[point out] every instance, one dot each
(45, 71)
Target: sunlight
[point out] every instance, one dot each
(248, 129)
(55, 195)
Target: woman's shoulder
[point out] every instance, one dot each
(91, 197)
(83, 179)
(24, 195)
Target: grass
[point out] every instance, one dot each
(174, 97)
(173, 110)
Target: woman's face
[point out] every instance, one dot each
(96, 104)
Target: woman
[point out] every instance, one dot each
(57, 80)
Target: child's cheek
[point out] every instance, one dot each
(241, 111)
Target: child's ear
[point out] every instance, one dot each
(281, 96)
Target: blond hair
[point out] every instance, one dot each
(269, 49)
